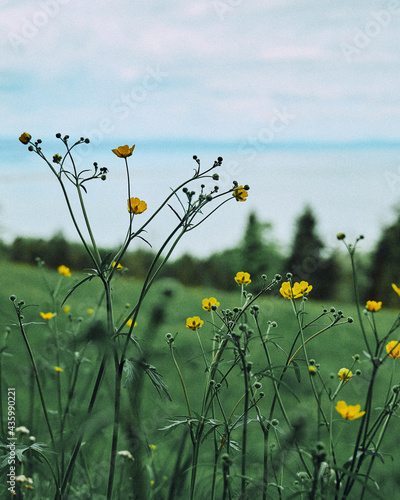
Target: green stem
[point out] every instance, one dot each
(36, 374)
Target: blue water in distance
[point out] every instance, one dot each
(352, 188)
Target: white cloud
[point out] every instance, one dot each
(223, 75)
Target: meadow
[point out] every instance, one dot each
(164, 460)
(115, 387)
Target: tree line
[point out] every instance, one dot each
(307, 258)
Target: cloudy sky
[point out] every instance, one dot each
(248, 75)
(209, 69)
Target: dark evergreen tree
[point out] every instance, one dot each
(258, 252)
(307, 262)
(385, 266)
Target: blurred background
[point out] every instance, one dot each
(300, 98)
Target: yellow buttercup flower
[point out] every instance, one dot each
(67, 309)
(312, 370)
(64, 270)
(129, 323)
(136, 206)
(25, 138)
(152, 447)
(90, 310)
(393, 349)
(123, 151)
(396, 289)
(242, 278)
(296, 290)
(373, 306)
(349, 412)
(194, 323)
(208, 303)
(48, 315)
(58, 369)
(345, 374)
(240, 193)
(119, 266)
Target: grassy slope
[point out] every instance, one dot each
(166, 310)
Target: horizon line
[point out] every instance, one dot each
(186, 143)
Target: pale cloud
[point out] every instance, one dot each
(221, 73)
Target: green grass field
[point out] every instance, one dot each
(145, 412)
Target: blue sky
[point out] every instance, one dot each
(213, 70)
(231, 77)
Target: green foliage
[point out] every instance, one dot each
(307, 261)
(385, 266)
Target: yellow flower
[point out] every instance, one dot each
(349, 412)
(345, 374)
(25, 138)
(129, 323)
(64, 270)
(396, 288)
(136, 206)
(373, 306)
(393, 349)
(119, 266)
(67, 309)
(48, 315)
(296, 290)
(123, 151)
(152, 447)
(208, 303)
(58, 369)
(194, 323)
(242, 278)
(90, 310)
(240, 193)
(312, 370)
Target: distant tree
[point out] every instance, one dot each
(307, 262)
(27, 249)
(259, 253)
(186, 269)
(220, 268)
(138, 262)
(57, 251)
(385, 266)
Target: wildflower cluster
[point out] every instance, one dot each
(109, 330)
(233, 330)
